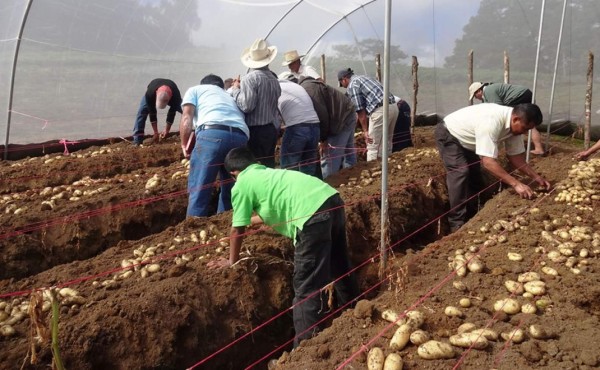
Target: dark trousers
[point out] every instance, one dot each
(401, 138)
(463, 176)
(525, 98)
(320, 257)
(262, 143)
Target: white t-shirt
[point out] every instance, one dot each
(307, 71)
(295, 104)
(482, 127)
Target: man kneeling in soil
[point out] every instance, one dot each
(473, 132)
(308, 211)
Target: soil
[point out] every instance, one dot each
(170, 311)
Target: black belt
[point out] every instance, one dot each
(222, 128)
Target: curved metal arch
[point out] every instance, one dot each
(12, 77)
(344, 17)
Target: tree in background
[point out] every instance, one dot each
(514, 25)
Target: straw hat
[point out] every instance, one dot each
(475, 86)
(290, 57)
(259, 54)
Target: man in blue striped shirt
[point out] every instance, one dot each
(367, 95)
(257, 97)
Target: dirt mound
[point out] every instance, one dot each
(144, 298)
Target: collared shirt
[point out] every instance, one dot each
(503, 94)
(482, 127)
(306, 71)
(284, 199)
(366, 93)
(295, 104)
(214, 106)
(257, 97)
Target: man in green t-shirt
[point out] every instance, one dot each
(308, 211)
(510, 96)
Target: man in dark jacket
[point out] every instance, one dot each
(160, 93)
(337, 116)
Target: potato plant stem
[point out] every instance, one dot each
(55, 348)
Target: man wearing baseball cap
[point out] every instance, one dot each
(159, 93)
(367, 95)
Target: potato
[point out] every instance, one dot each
(7, 330)
(393, 361)
(392, 316)
(415, 319)
(460, 265)
(528, 276)
(529, 308)
(153, 267)
(466, 327)
(514, 287)
(467, 340)
(400, 337)
(549, 271)
(537, 287)
(515, 256)
(488, 333)
(475, 265)
(539, 332)
(419, 337)
(375, 359)
(434, 350)
(464, 302)
(507, 305)
(515, 335)
(459, 285)
(452, 311)
(68, 292)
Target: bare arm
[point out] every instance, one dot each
(186, 127)
(586, 153)
(519, 162)
(496, 169)
(363, 119)
(236, 237)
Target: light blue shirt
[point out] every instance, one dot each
(214, 107)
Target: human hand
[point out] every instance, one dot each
(368, 139)
(543, 183)
(236, 82)
(155, 138)
(164, 134)
(581, 156)
(220, 262)
(523, 190)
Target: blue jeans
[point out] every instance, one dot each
(140, 122)
(299, 147)
(205, 163)
(343, 153)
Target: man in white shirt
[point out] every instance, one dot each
(291, 59)
(471, 136)
(300, 141)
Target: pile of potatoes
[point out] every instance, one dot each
(579, 189)
(15, 311)
(466, 261)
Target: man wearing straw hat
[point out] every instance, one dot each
(159, 93)
(256, 95)
(509, 95)
(291, 59)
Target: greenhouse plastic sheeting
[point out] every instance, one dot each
(82, 66)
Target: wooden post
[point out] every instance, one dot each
(470, 72)
(378, 67)
(415, 78)
(506, 68)
(588, 101)
(323, 73)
